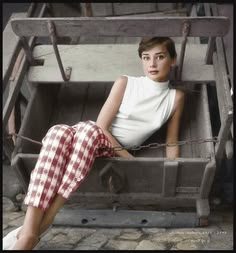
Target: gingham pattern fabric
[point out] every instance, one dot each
(66, 157)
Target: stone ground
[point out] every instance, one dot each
(217, 236)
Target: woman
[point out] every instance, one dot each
(135, 108)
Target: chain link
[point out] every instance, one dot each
(136, 148)
(158, 145)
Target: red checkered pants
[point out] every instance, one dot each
(66, 157)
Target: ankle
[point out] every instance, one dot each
(26, 241)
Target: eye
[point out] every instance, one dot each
(161, 57)
(145, 57)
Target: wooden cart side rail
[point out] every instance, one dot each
(123, 26)
(11, 48)
(9, 61)
(11, 44)
(224, 97)
(22, 162)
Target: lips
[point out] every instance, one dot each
(153, 72)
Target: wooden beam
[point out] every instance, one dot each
(123, 26)
(125, 218)
(97, 63)
(11, 48)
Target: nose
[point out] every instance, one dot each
(153, 63)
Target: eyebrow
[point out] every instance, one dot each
(155, 53)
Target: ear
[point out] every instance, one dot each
(173, 62)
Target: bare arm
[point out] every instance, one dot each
(173, 126)
(109, 111)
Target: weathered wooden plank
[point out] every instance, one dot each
(11, 48)
(71, 101)
(197, 104)
(37, 118)
(203, 208)
(18, 78)
(194, 14)
(169, 178)
(194, 102)
(97, 9)
(185, 126)
(188, 167)
(125, 218)
(97, 63)
(120, 26)
(132, 200)
(16, 85)
(130, 8)
(207, 179)
(204, 131)
(227, 10)
(222, 86)
(223, 136)
(190, 174)
(94, 101)
(166, 6)
(224, 74)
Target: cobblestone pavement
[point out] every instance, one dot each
(217, 236)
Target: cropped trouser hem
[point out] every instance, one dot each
(65, 159)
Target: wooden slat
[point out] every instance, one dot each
(204, 132)
(169, 178)
(70, 104)
(36, 118)
(18, 78)
(207, 179)
(147, 180)
(12, 97)
(11, 48)
(186, 125)
(94, 101)
(96, 63)
(227, 10)
(203, 208)
(125, 218)
(122, 26)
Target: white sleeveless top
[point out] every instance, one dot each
(145, 107)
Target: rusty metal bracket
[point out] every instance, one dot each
(185, 32)
(28, 51)
(52, 34)
(111, 178)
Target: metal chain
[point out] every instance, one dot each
(10, 135)
(158, 145)
(135, 148)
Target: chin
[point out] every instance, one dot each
(156, 79)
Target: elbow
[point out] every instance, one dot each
(172, 152)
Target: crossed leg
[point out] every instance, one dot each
(65, 159)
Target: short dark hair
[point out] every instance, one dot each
(150, 42)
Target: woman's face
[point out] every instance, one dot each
(157, 63)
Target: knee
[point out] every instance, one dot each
(58, 131)
(89, 129)
(93, 128)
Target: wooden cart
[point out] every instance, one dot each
(69, 83)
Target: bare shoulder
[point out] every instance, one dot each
(180, 94)
(179, 101)
(122, 80)
(119, 85)
(179, 97)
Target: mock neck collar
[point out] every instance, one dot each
(157, 85)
